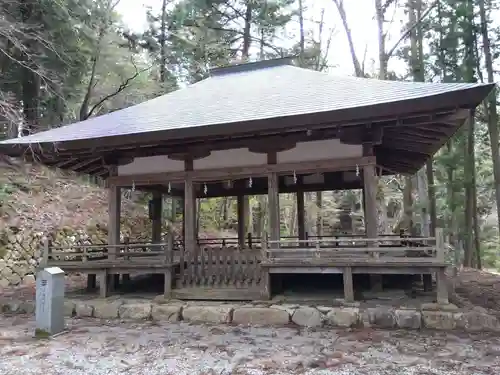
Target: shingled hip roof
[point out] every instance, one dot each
(233, 101)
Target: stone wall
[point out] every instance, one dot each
(429, 316)
(19, 257)
(21, 250)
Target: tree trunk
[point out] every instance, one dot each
(30, 82)
(418, 72)
(382, 56)
(469, 194)
(355, 62)
(431, 189)
(469, 157)
(247, 37)
(492, 106)
(301, 30)
(450, 193)
(163, 40)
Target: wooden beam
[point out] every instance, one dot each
(266, 148)
(370, 134)
(194, 146)
(243, 172)
(190, 155)
(64, 163)
(84, 163)
(93, 169)
(215, 190)
(422, 149)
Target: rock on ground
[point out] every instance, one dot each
(208, 314)
(260, 316)
(307, 317)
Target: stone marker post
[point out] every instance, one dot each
(49, 302)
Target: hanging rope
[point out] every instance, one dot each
(294, 177)
(169, 189)
(250, 182)
(357, 170)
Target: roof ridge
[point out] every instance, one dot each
(251, 66)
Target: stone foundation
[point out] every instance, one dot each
(429, 316)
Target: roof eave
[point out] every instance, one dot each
(467, 98)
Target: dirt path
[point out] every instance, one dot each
(96, 347)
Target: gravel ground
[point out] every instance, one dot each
(96, 347)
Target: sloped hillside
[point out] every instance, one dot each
(36, 201)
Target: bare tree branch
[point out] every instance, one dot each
(120, 88)
(411, 28)
(343, 16)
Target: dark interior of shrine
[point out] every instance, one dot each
(295, 287)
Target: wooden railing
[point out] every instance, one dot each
(291, 241)
(122, 253)
(357, 248)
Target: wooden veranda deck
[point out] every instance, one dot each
(217, 269)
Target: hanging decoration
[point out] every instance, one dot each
(133, 185)
(205, 189)
(250, 182)
(294, 178)
(169, 189)
(229, 184)
(357, 170)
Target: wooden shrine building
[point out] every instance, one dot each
(258, 128)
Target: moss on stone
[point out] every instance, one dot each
(41, 334)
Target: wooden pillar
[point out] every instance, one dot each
(114, 206)
(441, 280)
(183, 221)
(274, 208)
(266, 277)
(370, 201)
(157, 219)
(348, 285)
(274, 221)
(273, 202)
(371, 217)
(242, 208)
(301, 216)
(169, 259)
(427, 281)
(190, 248)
